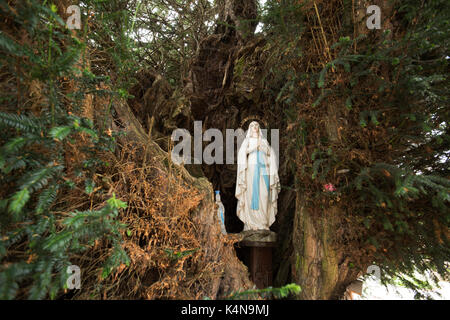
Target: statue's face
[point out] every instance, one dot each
(254, 129)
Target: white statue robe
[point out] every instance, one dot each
(257, 184)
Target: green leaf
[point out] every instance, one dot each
(387, 225)
(46, 198)
(395, 61)
(18, 200)
(363, 122)
(14, 144)
(39, 178)
(366, 222)
(105, 272)
(116, 203)
(21, 122)
(58, 241)
(60, 133)
(90, 132)
(322, 74)
(348, 103)
(89, 186)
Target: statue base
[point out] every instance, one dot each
(255, 250)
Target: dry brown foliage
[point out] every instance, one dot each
(173, 237)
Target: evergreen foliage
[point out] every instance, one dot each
(290, 289)
(37, 239)
(388, 92)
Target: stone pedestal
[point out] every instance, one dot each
(255, 251)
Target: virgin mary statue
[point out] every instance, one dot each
(257, 182)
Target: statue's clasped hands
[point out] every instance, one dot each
(258, 147)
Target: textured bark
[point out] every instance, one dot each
(158, 108)
(213, 66)
(316, 266)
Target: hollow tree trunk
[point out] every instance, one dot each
(317, 264)
(320, 264)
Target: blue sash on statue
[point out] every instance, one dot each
(259, 166)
